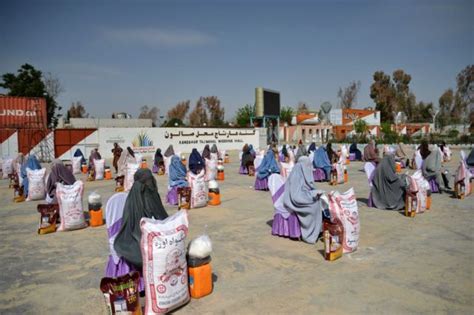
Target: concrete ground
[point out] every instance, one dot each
(403, 265)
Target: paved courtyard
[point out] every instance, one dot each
(403, 265)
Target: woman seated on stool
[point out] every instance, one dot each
(356, 152)
(215, 153)
(432, 169)
(247, 159)
(470, 159)
(95, 155)
(301, 151)
(33, 164)
(321, 161)
(127, 156)
(388, 188)
(332, 156)
(177, 179)
(206, 153)
(371, 153)
(143, 201)
(400, 155)
(285, 157)
(268, 166)
(196, 162)
(158, 162)
(59, 174)
(302, 198)
(79, 153)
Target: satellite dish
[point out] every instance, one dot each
(326, 108)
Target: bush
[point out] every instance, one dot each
(453, 133)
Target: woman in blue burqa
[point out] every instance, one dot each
(177, 174)
(321, 160)
(79, 153)
(33, 164)
(268, 166)
(196, 162)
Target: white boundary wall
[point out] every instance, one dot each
(147, 140)
(9, 147)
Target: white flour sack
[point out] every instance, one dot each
(422, 187)
(165, 270)
(129, 173)
(76, 164)
(211, 170)
(198, 190)
(344, 207)
(340, 172)
(36, 184)
(167, 161)
(7, 167)
(70, 206)
(99, 166)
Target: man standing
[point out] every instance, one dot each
(116, 151)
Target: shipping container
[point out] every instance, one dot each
(23, 112)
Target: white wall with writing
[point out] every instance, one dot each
(147, 140)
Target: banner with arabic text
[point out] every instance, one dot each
(147, 140)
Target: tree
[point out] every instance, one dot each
(286, 114)
(216, 112)
(179, 111)
(149, 113)
(465, 94)
(77, 110)
(382, 92)
(446, 104)
(173, 122)
(393, 95)
(389, 136)
(29, 82)
(348, 95)
(465, 81)
(243, 115)
(360, 127)
(302, 108)
(198, 117)
(52, 85)
(422, 112)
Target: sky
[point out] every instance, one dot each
(116, 56)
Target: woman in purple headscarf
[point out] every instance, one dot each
(59, 174)
(95, 155)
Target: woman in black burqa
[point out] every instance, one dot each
(143, 201)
